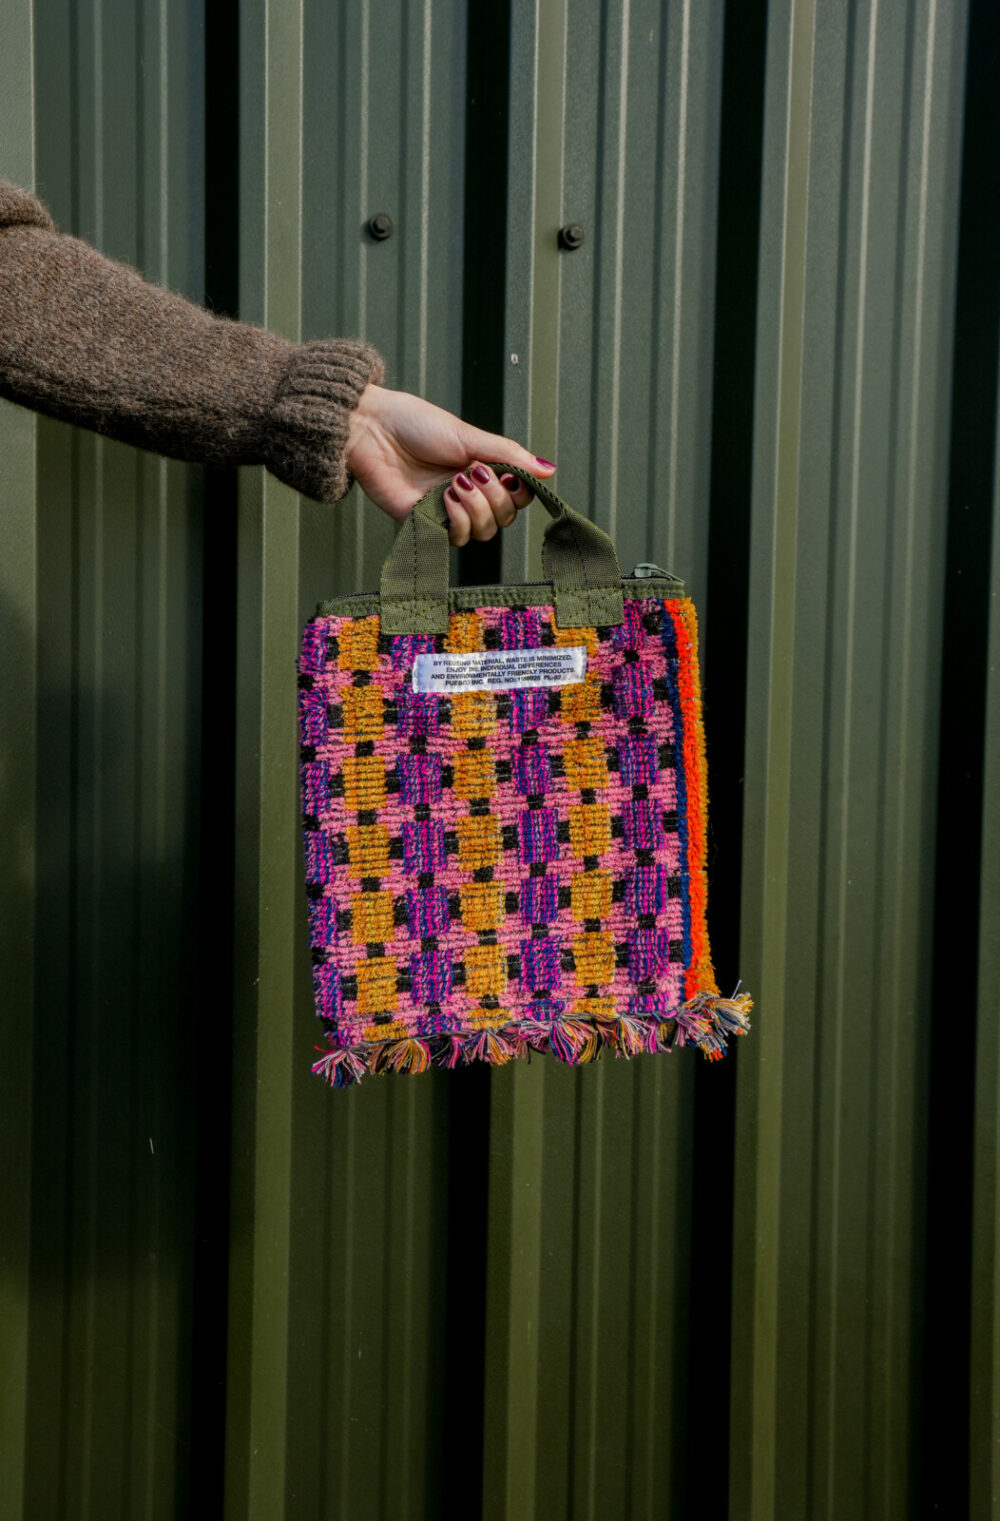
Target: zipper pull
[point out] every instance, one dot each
(644, 570)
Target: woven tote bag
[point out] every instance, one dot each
(504, 807)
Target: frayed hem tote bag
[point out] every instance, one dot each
(504, 807)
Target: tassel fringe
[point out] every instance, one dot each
(706, 1021)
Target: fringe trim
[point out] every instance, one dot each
(705, 1021)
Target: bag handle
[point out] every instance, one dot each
(577, 557)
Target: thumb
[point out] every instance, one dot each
(493, 446)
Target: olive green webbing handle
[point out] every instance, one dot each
(577, 557)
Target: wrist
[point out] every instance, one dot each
(363, 419)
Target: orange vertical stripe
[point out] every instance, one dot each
(700, 975)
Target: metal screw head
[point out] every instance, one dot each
(380, 226)
(571, 236)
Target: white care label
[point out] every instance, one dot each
(488, 670)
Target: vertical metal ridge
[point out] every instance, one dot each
(948, 1257)
(587, 1434)
(619, 220)
(267, 869)
(364, 116)
(425, 197)
(848, 1050)
(514, 1477)
(643, 1391)
(788, 137)
(112, 770)
(924, 267)
(43, 1466)
(344, 1190)
(840, 809)
(612, 1211)
(681, 228)
(511, 1457)
(984, 1445)
(548, 30)
(19, 739)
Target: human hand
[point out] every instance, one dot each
(399, 447)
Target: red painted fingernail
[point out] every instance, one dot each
(463, 481)
(452, 496)
(546, 464)
(481, 474)
(510, 482)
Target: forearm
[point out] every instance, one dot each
(87, 340)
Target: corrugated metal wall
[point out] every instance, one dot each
(102, 107)
(859, 224)
(766, 1289)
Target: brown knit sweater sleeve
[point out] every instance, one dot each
(86, 339)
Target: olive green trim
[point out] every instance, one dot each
(414, 584)
(464, 599)
(578, 560)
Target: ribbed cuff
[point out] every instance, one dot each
(306, 426)
(19, 208)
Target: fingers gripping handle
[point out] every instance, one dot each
(577, 557)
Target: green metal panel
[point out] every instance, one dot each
(858, 251)
(502, 1293)
(258, 1414)
(18, 744)
(614, 125)
(985, 1324)
(105, 1086)
(337, 1324)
